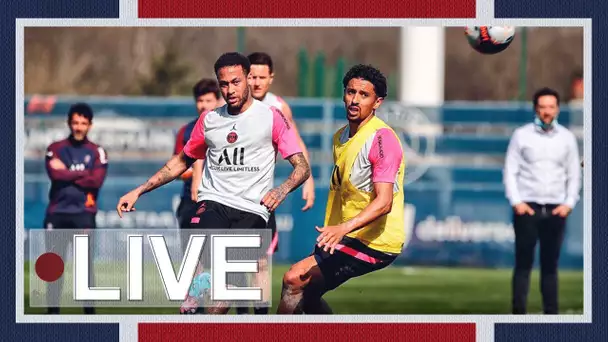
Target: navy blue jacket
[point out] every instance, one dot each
(74, 190)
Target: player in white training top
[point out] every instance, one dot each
(238, 143)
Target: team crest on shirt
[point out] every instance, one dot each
(87, 159)
(232, 137)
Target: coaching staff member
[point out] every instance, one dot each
(542, 183)
(77, 169)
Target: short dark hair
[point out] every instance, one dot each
(368, 73)
(577, 75)
(81, 109)
(545, 92)
(206, 86)
(232, 59)
(261, 58)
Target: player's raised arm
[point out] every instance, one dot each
(196, 148)
(285, 139)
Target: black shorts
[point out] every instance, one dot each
(272, 224)
(217, 215)
(214, 215)
(184, 212)
(343, 265)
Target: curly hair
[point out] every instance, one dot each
(232, 59)
(368, 73)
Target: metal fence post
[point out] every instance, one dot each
(340, 67)
(303, 73)
(319, 75)
(240, 39)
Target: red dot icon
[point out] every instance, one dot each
(49, 267)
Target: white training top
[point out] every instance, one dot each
(239, 153)
(273, 100)
(542, 166)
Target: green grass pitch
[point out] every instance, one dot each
(409, 290)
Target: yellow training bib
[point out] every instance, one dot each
(345, 201)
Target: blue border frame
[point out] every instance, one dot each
(596, 10)
(503, 9)
(11, 11)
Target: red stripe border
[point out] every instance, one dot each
(306, 9)
(307, 332)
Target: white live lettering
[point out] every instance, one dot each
(176, 284)
(219, 245)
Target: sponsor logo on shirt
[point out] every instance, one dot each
(233, 160)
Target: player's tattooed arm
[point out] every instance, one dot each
(172, 169)
(300, 173)
(177, 165)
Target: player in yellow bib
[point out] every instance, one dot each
(364, 220)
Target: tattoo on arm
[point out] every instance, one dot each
(172, 169)
(300, 173)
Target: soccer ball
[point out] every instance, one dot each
(489, 40)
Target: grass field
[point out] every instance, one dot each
(411, 290)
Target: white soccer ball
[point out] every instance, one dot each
(489, 40)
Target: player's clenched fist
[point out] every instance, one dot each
(273, 198)
(126, 203)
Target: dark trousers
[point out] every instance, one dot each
(65, 226)
(548, 229)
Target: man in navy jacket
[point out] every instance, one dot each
(77, 169)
